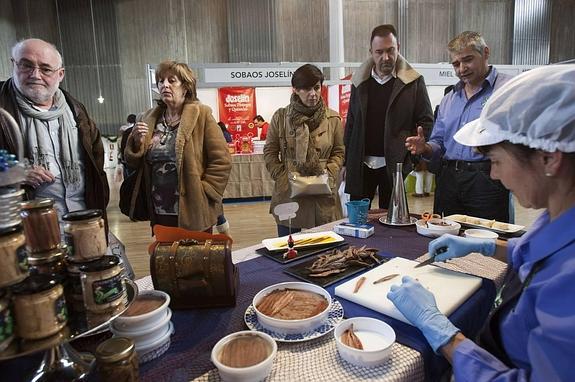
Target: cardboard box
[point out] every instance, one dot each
(356, 230)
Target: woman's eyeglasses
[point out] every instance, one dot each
(27, 68)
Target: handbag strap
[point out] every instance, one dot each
(136, 190)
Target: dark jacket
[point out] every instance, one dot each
(408, 108)
(97, 192)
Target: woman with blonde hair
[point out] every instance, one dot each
(182, 153)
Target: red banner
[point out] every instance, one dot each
(324, 94)
(237, 108)
(344, 95)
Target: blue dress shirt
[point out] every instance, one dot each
(455, 110)
(539, 333)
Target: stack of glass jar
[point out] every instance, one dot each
(42, 279)
(35, 300)
(96, 278)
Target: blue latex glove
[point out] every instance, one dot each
(418, 305)
(450, 246)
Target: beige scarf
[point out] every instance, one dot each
(304, 120)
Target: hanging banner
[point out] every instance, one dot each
(324, 94)
(344, 95)
(237, 108)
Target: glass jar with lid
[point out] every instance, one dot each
(116, 360)
(85, 235)
(49, 263)
(103, 285)
(73, 286)
(40, 221)
(6, 320)
(13, 257)
(39, 307)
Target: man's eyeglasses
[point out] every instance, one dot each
(27, 68)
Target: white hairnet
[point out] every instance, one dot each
(535, 109)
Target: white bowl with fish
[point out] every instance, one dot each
(364, 341)
(437, 227)
(244, 356)
(292, 307)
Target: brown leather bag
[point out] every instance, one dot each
(194, 268)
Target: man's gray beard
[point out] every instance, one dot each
(38, 97)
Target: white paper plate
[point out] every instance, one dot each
(485, 223)
(335, 317)
(280, 243)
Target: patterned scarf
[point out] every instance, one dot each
(34, 127)
(304, 120)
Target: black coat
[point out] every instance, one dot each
(408, 107)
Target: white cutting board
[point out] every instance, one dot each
(450, 288)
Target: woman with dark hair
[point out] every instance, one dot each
(225, 131)
(305, 137)
(182, 153)
(527, 130)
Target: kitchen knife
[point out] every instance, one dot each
(432, 258)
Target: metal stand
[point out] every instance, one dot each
(63, 363)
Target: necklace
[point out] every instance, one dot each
(169, 128)
(173, 122)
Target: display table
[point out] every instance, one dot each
(249, 177)
(196, 331)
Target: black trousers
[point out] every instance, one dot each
(373, 179)
(466, 188)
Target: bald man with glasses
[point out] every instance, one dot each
(60, 140)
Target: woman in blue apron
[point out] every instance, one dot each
(527, 129)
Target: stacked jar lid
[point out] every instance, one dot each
(97, 276)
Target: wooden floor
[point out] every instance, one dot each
(250, 222)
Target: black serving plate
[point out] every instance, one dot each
(302, 253)
(301, 272)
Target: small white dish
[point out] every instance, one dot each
(481, 234)
(141, 322)
(149, 334)
(377, 339)
(442, 224)
(292, 326)
(152, 350)
(423, 229)
(257, 372)
(334, 317)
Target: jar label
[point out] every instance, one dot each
(61, 309)
(6, 325)
(22, 256)
(106, 291)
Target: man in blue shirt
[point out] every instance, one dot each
(463, 182)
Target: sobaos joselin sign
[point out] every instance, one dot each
(250, 75)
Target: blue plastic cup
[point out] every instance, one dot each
(357, 211)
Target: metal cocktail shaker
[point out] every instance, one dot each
(398, 211)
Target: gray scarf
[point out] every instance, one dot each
(33, 121)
